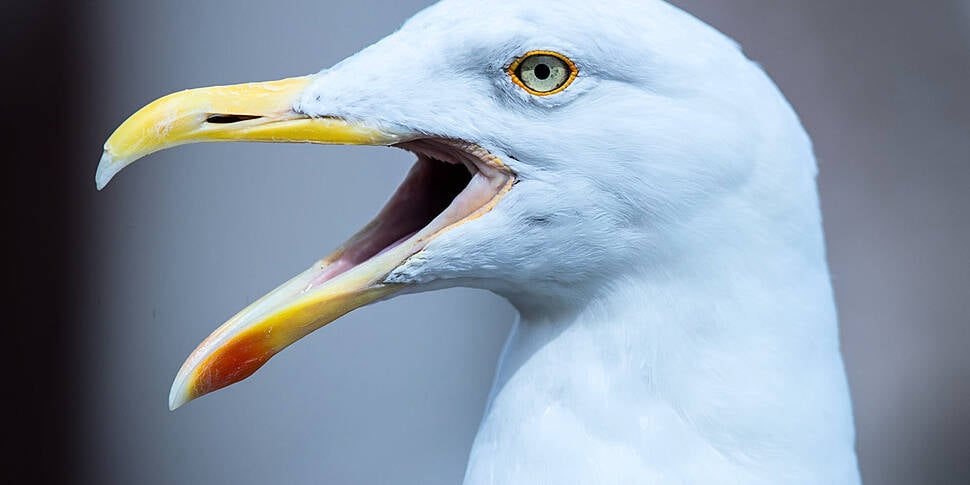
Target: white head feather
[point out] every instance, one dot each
(663, 244)
(678, 323)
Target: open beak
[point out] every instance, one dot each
(452, 182)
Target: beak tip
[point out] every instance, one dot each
(177, 397)
(183, 389)
(108, 167)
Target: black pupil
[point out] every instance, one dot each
(542, 71)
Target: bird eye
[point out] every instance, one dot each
(542, 72)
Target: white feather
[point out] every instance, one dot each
(663, 246)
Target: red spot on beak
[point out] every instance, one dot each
(233, 362)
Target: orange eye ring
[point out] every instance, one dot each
(546, 73)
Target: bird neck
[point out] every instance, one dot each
(729, 357)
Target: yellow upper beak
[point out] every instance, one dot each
(261, 112)
(258, 112)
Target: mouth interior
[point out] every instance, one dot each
(450, 182)
(225, 119)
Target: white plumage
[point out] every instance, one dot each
(663, 244)
(677, 322)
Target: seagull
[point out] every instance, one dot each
(628, 179)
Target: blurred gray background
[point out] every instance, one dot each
(393, 393)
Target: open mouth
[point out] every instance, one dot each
(452, 182)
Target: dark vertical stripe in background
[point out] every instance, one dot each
(38, 88)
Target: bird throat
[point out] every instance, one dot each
(689, 376)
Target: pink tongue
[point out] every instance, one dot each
(344, 264)
(335, 269)
(395, 244)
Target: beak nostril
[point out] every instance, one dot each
(225, 119)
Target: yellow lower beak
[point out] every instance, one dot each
(262, 112)
(248, 340)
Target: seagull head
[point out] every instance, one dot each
(561, 146)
